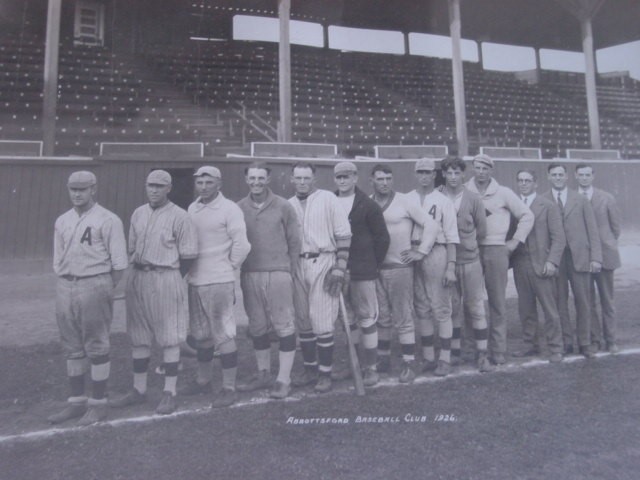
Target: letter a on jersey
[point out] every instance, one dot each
(86, 236)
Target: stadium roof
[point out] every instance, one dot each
(535, 23)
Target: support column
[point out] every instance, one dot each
(325, 33)
(480, 55)
(538, 65)
(590, 82)
(50, 90)
(284, 50)
(407, 44)
(455, 27)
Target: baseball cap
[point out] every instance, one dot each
(345, 167)
(159, 177)
(81, 179)
(425, 164)
(208, 170)
(483, 158)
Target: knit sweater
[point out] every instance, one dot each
(272, 230)
(472, 226)
(500, 203)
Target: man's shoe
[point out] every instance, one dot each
(308, 377)
(323, 385)
(195, 388)
(443, 369)
(613, 349)
(384, 364)
(498, 359)
(72, 410)
(260, 381)
(225, 398)
(371, 377)
(167, 404)
(530, 352)
(555, 357)
(596, 346)
(342, 374)
(587, 352)
(456, 360)
(97, 412)
(132, 397)
(280, 391)
(160, 368)
(408, 372)
(484, 365)
(429, 365)
(568, 349)
(468, 356)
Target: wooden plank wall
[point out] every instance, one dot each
(33, 192)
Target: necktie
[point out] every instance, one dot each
(560, 201)
(525, 200)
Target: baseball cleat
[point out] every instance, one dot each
(280, 390)
(343, 374)
(308, 377)
(260, 381)
(443, 369)
(132, 397)
(429, 365)
(226, 397)
(167, 404)
(95, 413)
(370, 377)
(484, 365)
(160, 368)
(72, 410)
(323, 385)
(384, 364)
(195, 388)
(408, 372)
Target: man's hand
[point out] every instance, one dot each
(512, 245)
(596, 267)
(409, 256)
(449, 275)
(549, 270)
(333, 282)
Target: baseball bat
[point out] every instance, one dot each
(353, 355)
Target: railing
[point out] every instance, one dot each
(256, 122)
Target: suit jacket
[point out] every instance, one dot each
(581, 230)
(546, 241)
(608, 220)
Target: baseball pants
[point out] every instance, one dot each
(211, 314)
(468, 304)
(84, 314)
(362, 302)
(432, 300)
(395, 300)
(495, 265)
(316, 310)
(157, 308)
(268, 301)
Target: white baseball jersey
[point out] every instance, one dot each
(442, 210)
(88, 244)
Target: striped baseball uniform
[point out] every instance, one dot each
(86, 248)
(432, 299)
(156, 293)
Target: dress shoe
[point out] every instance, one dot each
(568, 349)
(587, 352)
(555, 357)
(498, 359)
(530, 352)
(613, 349)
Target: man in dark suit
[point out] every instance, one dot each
(535, 267)
(608, 220)
(582, 257)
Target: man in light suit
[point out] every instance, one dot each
(608, 220)
(582, 257)
(535, 267)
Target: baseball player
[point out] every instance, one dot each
(468, 294)
(582, 257)
(369, 244)
(267, 285)
(162, 246)
(395, 286)
(89, 257)
(319, 276)
(535, 266)
(608, 221)
(435, 273)
(222, 247)
(500, 204)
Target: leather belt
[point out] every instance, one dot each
(308, 255)
(147, 267)
(74, 278)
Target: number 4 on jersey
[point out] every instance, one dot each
(432, 212)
